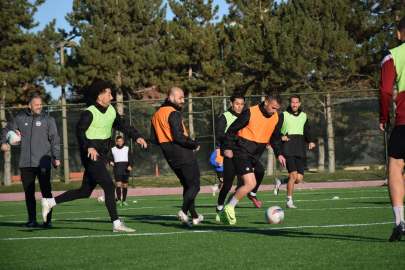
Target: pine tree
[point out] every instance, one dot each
(120, 44)
(25, 59)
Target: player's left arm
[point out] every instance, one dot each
(307, 135)
(130, 159)
(54, 140)
(121, 125)
(275, 139)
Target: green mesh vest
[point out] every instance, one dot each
(100, 127)
(398, 54)
(230, 118)
(293, 125)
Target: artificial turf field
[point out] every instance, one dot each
(323, 233)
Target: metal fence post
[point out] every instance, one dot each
(130, 123)
(213, 129)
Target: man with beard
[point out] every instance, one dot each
(93, 132)
(39, 144)
(169, 132)
(256, 127)
(295, 130)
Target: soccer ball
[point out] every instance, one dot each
(13, 137)
(101, 199)
(274, 215)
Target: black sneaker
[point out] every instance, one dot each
(398, 232)
(30, 224)
(47, 224)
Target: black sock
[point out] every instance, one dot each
(119, 193)
(124, 194)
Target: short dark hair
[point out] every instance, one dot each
(295, 96)
(99, 88)
(119, 137)
(401, 26)
(273, 96)
(237, 95)
(32, 96)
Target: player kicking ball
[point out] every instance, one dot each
(295, 132)
(93, 132)
(257, 126)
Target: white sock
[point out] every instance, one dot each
(289, 199)
(117, 223)
(219, 207)
(51, 202)
(233, 202)
(252, 194)
(398, 213)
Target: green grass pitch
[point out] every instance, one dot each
(347, 233)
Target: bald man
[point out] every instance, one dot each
(168, 131)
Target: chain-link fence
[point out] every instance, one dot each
(351, 125)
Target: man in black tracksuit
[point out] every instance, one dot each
(39, 143)
(93, 133)
(122, 161)
(169, 132)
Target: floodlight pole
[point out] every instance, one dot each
(65, 43)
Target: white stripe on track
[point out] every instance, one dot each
(197, 231)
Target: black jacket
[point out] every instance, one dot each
(252, 149)
(102, 146)
(220, 128)
(178, 153)
(296, 144)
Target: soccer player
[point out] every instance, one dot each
(169, 132)
(256, 126)
(122, 161)
(393, 71)
(217, 160)
(39, 143)
(93, 132)
(295, 132)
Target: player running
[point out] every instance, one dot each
(122, 161)
(169, 132)
(295, 132)
(393, 71)
(218, 161)
(93, 132)
(256, 126)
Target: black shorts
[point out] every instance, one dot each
(396, 147)
(121, 178)
(243, 165)
(220, 175)
(295, 164)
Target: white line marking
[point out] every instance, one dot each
(204, 214)
(201, 231)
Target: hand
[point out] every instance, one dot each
(311, 145)
(198, 148)
(228, 153)
(220, 164)
(282, 160)
(386, 126)
(285, 138)
(142, 142)
(111, 163)
(4, 147)
(129, 168)
(92, 153)
(56, 163)
(268, 146)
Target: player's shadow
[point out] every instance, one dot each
(376, 203)
(295, 233)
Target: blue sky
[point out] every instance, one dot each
(57, 9)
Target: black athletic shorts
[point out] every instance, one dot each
(295, 164)
(220, 175)
(396, 147)
(121, 178)
(242, 164)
